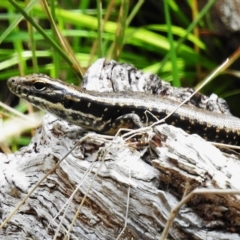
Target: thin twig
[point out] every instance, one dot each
(176, 209)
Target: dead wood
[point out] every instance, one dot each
(166, 165)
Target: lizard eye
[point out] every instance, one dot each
(39, 85)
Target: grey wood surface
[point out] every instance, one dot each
(167, 161)
(134, 182)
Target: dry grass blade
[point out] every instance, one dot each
(209, 78)
(96, 43)
(224, 66)
(175, 210)
(16, 126)
(34, 188)
(64, 43)
(102, 156)
(19, 124)
(66, 205)
(205, 81)
(127, 208)
(119, 37)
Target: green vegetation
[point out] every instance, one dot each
(63, 38)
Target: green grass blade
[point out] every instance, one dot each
(16, 21)
(40, 30)
(189, 29)
(120, 32)
(99, 17)
(172, 52)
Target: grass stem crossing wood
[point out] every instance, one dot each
(107, 112)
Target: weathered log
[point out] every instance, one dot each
(157, 169)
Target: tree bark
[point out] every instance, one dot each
(155, 171)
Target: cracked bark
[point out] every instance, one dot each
(161, 164)
(160, 170)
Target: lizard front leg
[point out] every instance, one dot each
(130, 120)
